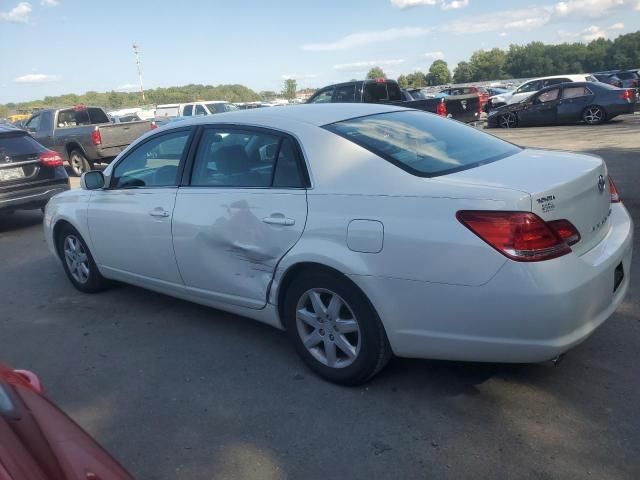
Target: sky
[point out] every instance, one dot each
(52, 47)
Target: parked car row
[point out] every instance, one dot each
(590, 102)
(465, 108)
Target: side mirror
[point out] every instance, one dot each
(93, 180)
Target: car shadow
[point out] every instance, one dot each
(19, 220)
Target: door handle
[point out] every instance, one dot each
(279, 220)
(159, 213)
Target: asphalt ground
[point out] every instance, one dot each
(176, 390)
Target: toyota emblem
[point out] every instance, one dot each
(601, 183)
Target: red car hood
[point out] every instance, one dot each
(39, 442)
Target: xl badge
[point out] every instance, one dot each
(464, 104)
(601, 183)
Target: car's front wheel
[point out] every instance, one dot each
(78, 262)
(508, 120)
(594, 115)
(334, 328)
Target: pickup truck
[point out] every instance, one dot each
(465, 108)
(84, 135)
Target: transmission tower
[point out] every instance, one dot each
(136, 51)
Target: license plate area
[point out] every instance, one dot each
(8, 174)
(618, 276)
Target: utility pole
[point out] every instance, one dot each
(136, 51)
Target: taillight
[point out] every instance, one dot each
(442, 109)
(627, 94)
(49, 158)
(566, 231)
(520, 236)
(96, 137)
(613, 191)
(153, 126)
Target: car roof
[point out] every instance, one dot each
(574, 78)
(317, 115)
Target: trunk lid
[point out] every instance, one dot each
(562, 185)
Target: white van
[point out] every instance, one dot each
(172, 110)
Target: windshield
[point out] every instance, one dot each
(423, 144)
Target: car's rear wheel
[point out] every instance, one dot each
(508, 120)
(334, 328)
(78, 262)
(78, 163)
(594, 115)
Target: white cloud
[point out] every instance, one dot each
(616, 26)
(18, 14)
(588, 34)
(504, 34)
(36, 78)
(367, 38)
(359, 66)
(444, 4)
(588, 8)
(454, 4)
(127, 87)
(434, 55)
(295, 76)
(524, 19)
(50, 3)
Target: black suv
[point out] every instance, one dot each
(29, 173)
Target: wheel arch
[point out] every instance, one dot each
(71, 146)
(301, 267)
(57, 229)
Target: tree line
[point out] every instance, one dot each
(534, 59)
(115, 100)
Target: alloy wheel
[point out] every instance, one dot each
(508, 120)
(77, 259)
(77, 164)
(593, 115)
(328, 328)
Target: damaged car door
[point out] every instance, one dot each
(244, 207)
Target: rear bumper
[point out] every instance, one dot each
(525, 313)
(31, 197)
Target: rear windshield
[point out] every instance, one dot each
(423, 144)
(375, 92)
(18, 144)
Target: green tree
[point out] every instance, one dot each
(439, 73)
(417, 80)
(531, 60)
(268, 95)
(625, 51)
(463, 73)
(376, 72)
(403, 82)
(597, 55)
(290, 88)
(487, 65)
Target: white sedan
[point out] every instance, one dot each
(362, 230)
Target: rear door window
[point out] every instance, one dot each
(575, 92)
(423, 145)
(200, 110)
(393, 91)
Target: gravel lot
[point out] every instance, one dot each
(175, 390)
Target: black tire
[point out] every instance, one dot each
(78, 163)
(594, 115)
(374, 350)
(95, 282)
(508, 120)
